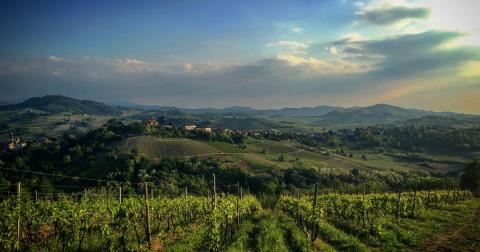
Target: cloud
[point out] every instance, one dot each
(290, 46)
(297, 29)
(358, 4)
(391, 15)
(54, 58)
(388, 69)
(133, 65)
(333, 50)
(413, 54)
(311, 66)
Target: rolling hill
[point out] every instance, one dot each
(62, 104)
(157, 148)
(385, 114)
(246, 123)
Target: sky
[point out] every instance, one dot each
(263, 54)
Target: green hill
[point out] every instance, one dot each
(246, 123)
(60, 104)
(157, 147)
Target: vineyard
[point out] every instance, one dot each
(119, 224)
(362, 213)
(109, 222)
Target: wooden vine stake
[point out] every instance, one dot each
(147, 216)
(120, 195)
(398, 203)
(414, 201)
(313, 236)
(238, 204)
(214, 192)
(363, 206)
(19, 191)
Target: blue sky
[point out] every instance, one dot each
(412, 53)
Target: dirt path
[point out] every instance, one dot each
(465, 237)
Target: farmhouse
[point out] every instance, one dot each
(15, 144)
(190, 127)
(151, 122)
(204, 129)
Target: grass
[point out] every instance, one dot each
(192, 241)
(445, 221)
(33, 123)
(444, 229)
(274, 147)
(228, 147)
(339, 239)
(269, 231)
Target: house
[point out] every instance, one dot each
(204, 129)
(190, 127)
(227, 131)
(151, 122)
(15, 145)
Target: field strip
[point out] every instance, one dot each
(237, 153)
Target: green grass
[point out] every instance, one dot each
(339, 239)
(242, 241)
(157, 147)
(270, 236)
(274, 147)
(269, 231)
(412, 233)
(229, 148)
(33, 123)
(192, 241)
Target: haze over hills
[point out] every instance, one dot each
(241, 117)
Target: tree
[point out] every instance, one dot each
(470, 179)
(67, 159)
(281, 158)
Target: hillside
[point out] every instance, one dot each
(282, 112)
(434, 120)
(380, 113)
(299, 112)
(61, 104)
(157, 148)
(246, 123)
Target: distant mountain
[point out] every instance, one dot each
(241, 117)
(284, 112)
(60, 104)
(383, 114)
(245, 123)
(299, 112)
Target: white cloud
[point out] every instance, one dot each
(459, 15)
(128, 65)
(314, 67)
(333, 50)
(446, 15)
(358, 4)
(297, 29)
(290, 46)
(54, 58)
